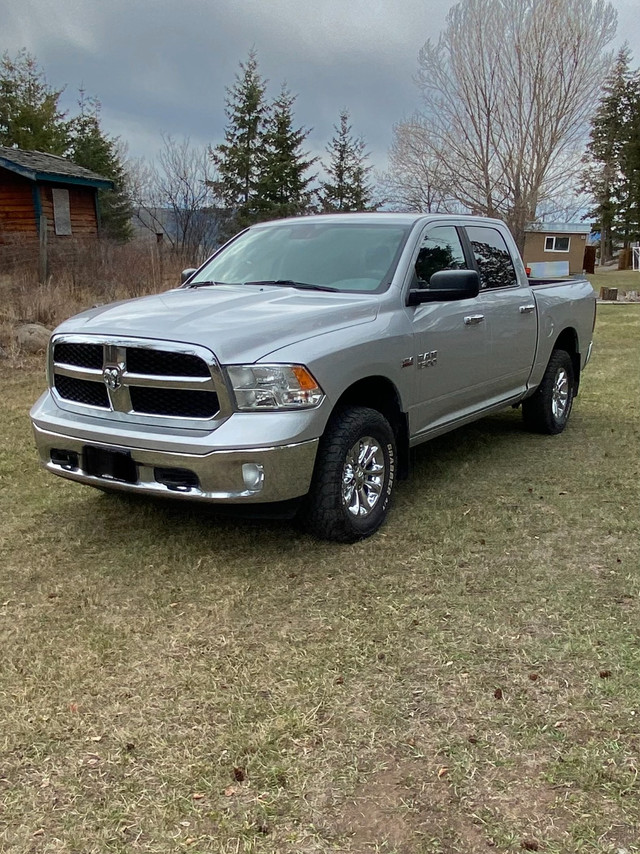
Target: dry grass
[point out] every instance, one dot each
(87, 275)
(466, 680)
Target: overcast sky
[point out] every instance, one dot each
(161, 66)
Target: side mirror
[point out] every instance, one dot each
(185, 275)
(446, 286)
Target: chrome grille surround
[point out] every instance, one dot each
(205, 376)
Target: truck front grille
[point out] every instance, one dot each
(81, 355)
(86, 392)
(126, 377)
(174, 402)
(164, 363)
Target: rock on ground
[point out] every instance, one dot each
(32, 337)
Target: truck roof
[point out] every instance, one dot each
(388, 217)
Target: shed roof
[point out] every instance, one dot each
(37, 166)
(559, 227)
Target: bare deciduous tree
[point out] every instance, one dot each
(174, 198)
(415, 180)
(507, 93)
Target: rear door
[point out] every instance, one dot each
(450, 339)
(510, 313)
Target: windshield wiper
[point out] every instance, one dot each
(290, 283)
(205, 284)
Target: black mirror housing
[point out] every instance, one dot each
(446, 286)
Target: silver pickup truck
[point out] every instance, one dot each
(305, 358)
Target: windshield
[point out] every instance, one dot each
(334, 255)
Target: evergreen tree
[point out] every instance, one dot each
(629, 196)
(30, 117)
(283, 188)
(348, 188)
(92, 148)
(604, 176)
(237, 159)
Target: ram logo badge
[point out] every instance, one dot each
(112, 378)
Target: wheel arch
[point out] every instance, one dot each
(568, 341)
(380, 393)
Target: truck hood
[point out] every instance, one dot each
(239, 323)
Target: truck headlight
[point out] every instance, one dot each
(274, 387)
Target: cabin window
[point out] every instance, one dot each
(556, 244)
(61, 211)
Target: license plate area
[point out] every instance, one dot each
(110, 465)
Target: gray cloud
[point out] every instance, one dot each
(162, 67)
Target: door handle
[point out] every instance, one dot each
(473, 319)
(525, 309)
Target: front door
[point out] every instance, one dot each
(450, 340)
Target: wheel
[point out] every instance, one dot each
(548, 410)
(353, 478)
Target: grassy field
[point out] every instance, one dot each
(467, 680)
(624, 280)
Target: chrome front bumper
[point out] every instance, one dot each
(251, 475)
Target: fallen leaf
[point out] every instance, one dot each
(442, 772)
(39, 832)
(239, 774)
(533, 676)
(198, 796)
(230, 791)
(339, 680)
(498, 693)
(530, 845)
(473, 739)
(605, 674)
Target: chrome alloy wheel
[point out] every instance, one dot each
(560, 394)
(363, 476)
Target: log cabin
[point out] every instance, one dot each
(34, 185)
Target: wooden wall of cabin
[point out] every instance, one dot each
(17, 215)
(82, 207)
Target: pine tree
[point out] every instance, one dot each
(283, 188)
(30, 117)
(629, 196)
(348, 188)
(92, 148)
(603, 176)
(237, 159)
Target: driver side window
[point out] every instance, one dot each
(440, 250)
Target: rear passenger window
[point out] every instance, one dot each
(492, 256)
(440, 250)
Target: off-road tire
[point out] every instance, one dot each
(548, 409)
(326, 510)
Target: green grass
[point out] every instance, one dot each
(624, 280)
(466, 679)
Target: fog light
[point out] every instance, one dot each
(253, 476)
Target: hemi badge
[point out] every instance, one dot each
(406, 363)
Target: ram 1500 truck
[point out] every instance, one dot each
(305, 358)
